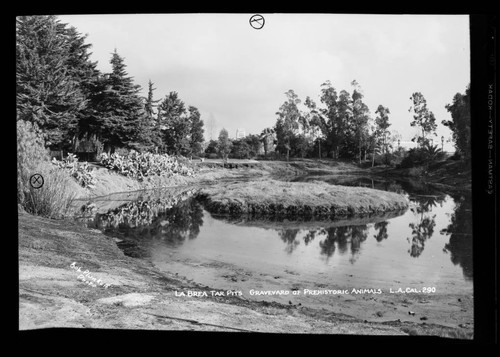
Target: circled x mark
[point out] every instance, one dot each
(36, 181)
(257, 21)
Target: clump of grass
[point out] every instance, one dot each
(31, 153)
(55, 197)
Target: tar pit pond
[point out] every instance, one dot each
(411, 265)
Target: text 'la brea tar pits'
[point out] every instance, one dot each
(353, 291)
(87, 278)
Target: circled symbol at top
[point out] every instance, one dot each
(257, 21)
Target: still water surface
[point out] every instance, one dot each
(428, 245)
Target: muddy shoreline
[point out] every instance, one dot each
(51, 294)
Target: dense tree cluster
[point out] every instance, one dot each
(460, 123)
(61, 91)
(340, 128)
(224, 147)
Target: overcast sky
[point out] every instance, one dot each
(238, 75)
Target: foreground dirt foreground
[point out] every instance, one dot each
(114, 291)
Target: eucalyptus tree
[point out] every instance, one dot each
(287, 123)
(423, 119)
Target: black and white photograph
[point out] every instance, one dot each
(276, 173)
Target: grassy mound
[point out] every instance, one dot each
(317, 199)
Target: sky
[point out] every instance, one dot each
(237, 76)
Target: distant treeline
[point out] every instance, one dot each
(343, 128)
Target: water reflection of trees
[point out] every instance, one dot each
(182, 221)
(381, 229)
(309, 237)
(158, 219)
(343, 239)
(423, 228)
(289, 236)
(460, 231)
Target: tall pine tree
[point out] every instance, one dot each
(150, 104)
(148, 135)
(117, 106)
(174, 125)
(84, 71)
(48, 82)
(196, 135)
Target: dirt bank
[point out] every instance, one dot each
(447, 175)
(291, 199)
(109, 182)
(139, 297)
(309, 167)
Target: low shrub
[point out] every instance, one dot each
(422, 156)
(391, 159)
(81, 171)
(141, 165)
(54, 198)
(30, 153)
(414, 157)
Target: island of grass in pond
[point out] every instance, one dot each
(317, 199)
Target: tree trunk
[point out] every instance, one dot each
(319, 145)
